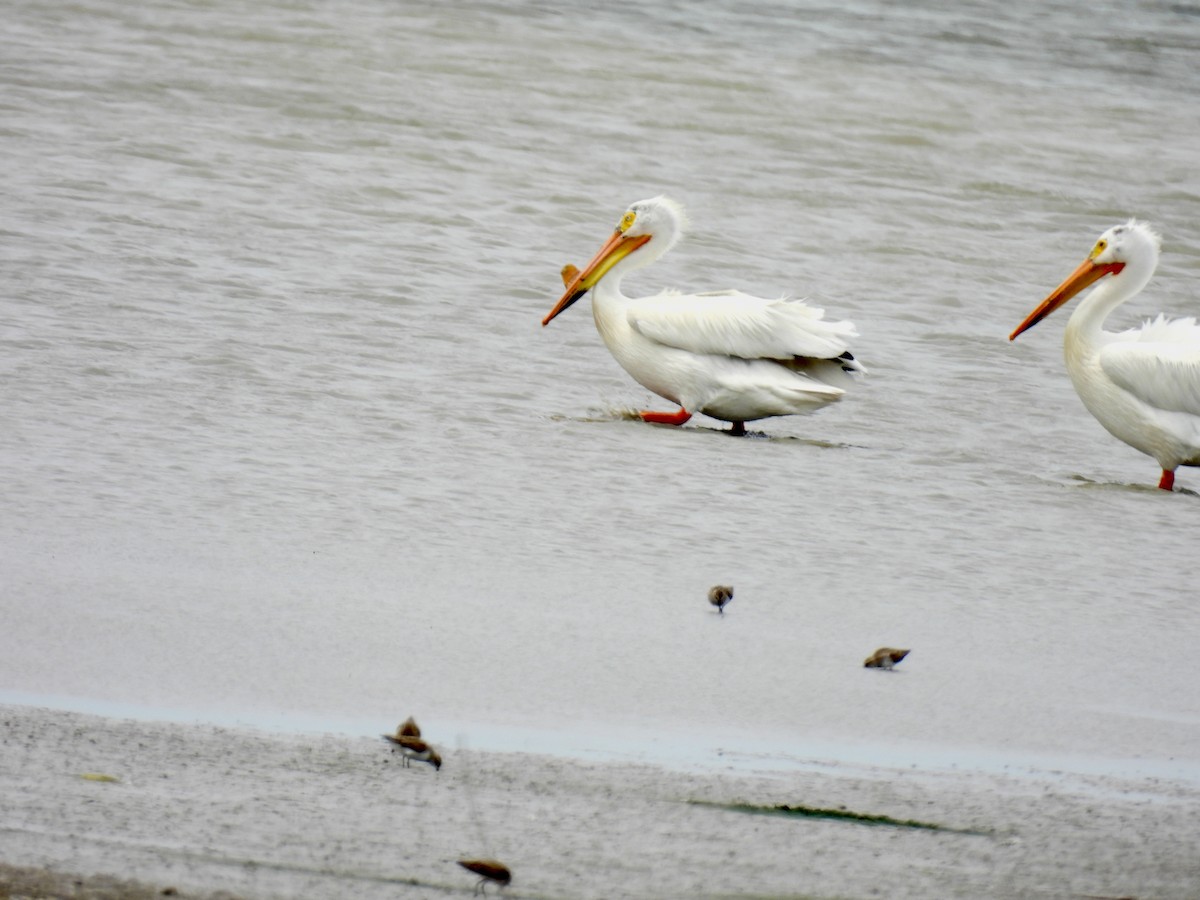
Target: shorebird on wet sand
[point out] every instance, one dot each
(413, 748)
(487, 870)
(719, 595)
(884, 658)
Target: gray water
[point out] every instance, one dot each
(282, 437)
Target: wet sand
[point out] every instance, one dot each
(199, 811)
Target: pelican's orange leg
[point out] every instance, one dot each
(1167, 482)
(675, 418)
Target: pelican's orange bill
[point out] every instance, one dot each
(1087, 274)
(615, 249)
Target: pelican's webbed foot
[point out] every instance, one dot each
(662, 418)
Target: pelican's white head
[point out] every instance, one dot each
(647, 230)
(660, 217)
(1129, 250)
(1134, 244)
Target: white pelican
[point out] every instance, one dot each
(726, 354)
(1143, 384)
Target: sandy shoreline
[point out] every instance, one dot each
(216, 812)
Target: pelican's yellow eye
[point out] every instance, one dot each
(1100, 247)
(627, 221)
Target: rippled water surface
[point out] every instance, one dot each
(282, 436)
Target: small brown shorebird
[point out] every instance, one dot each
(413, 748)
(487, 870)
(884, 658)
(719, 595)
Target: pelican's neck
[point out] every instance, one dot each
(1085, 329)
(608, 307)
(608, 301)
(663, 221)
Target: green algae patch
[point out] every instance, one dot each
(841, 815)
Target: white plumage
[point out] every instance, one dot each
(726, 354)
(1143, 385)
(736, 324)
(1159, 362)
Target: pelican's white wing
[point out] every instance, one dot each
(1158, 363)
(730, 323)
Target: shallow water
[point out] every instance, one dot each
(282, 435)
